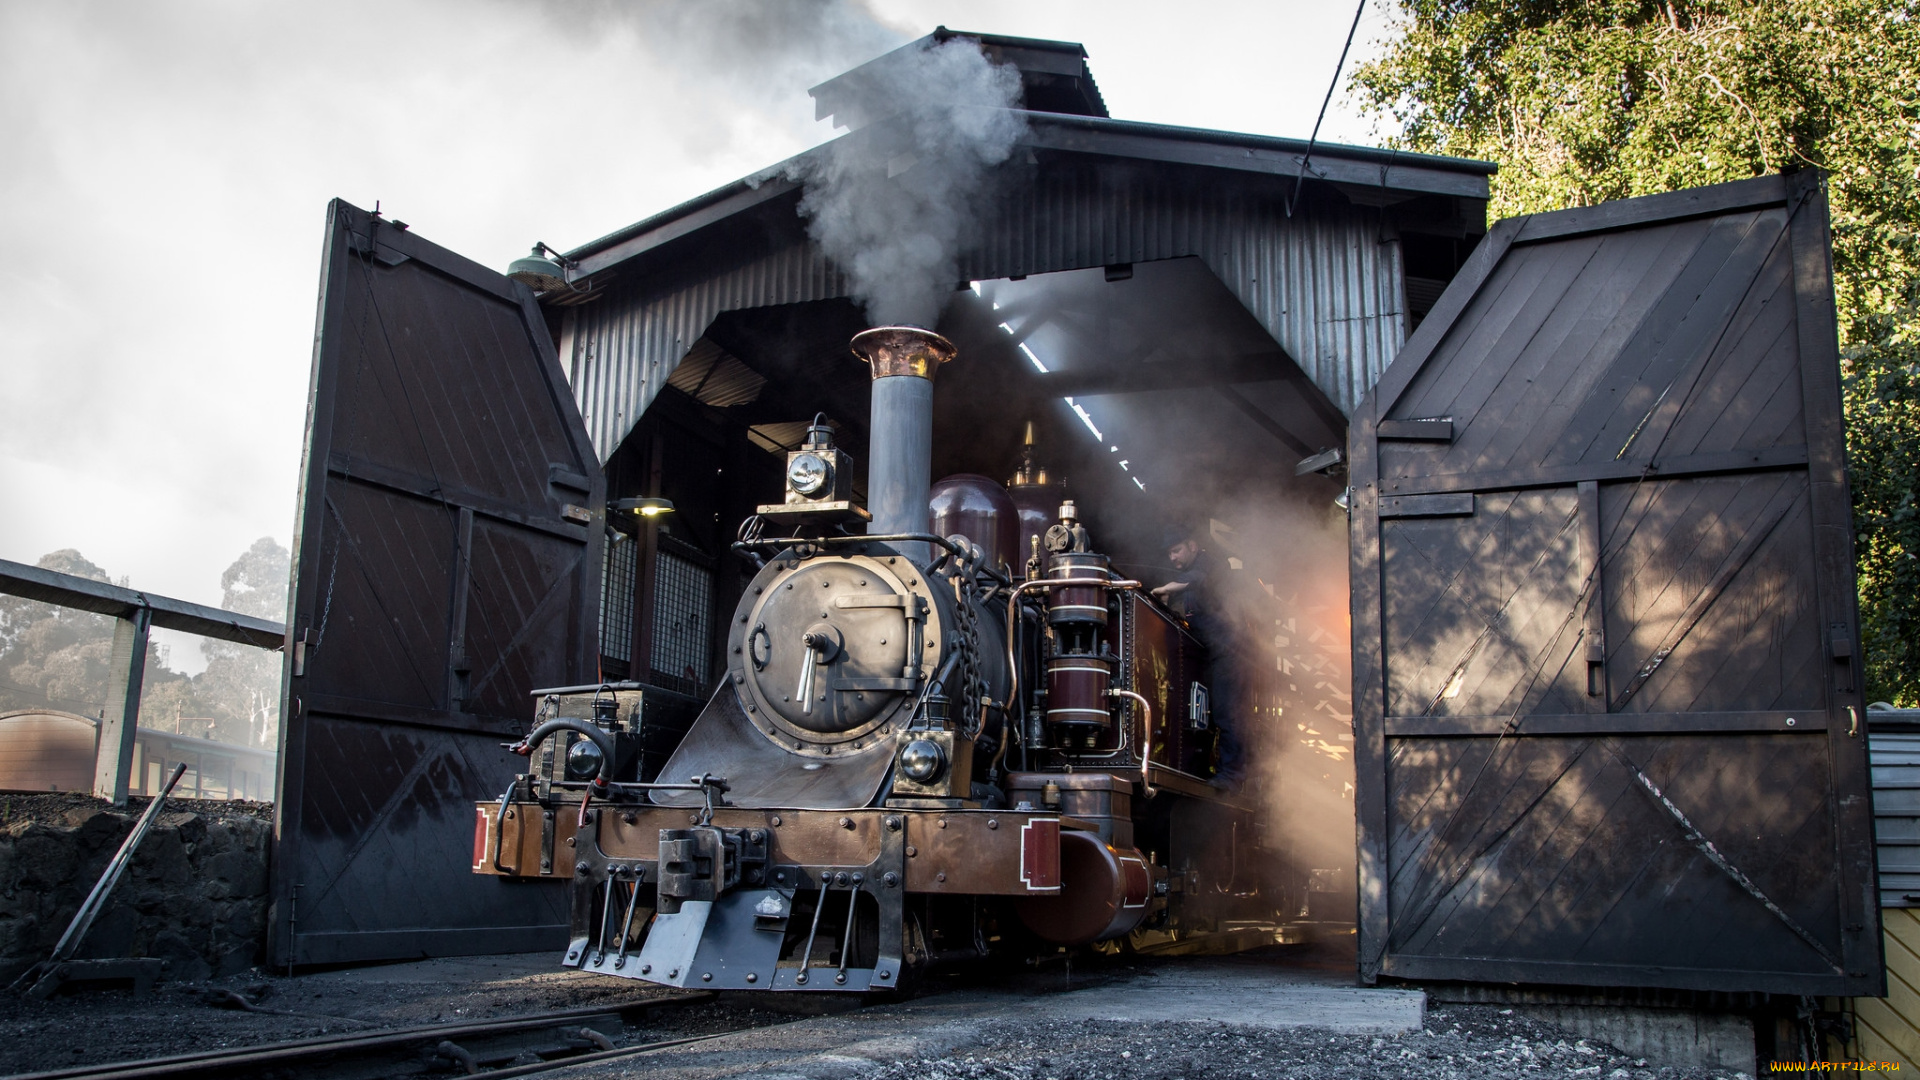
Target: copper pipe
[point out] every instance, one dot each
(1006, 736)
(1146, 739)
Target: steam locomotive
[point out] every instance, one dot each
(947, 731)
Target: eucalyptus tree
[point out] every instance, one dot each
(1581, 101)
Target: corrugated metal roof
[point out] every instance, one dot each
(1895, 758)
(619, 352)
(713, 376)
(779, 438)
(1325, 282)
(1054, 73)
(1362, 166)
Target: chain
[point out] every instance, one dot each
(967, 625)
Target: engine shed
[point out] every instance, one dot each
(1587, 715)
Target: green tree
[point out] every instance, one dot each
(240, 689)
(58, 658)
(1585, 100)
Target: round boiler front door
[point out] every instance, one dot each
(829, 644)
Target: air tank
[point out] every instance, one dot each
(980, 509)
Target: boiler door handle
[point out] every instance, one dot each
(807, 665)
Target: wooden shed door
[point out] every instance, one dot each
(446, 565)
(1606, 688)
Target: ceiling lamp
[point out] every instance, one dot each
(543, 270)
(645, 507)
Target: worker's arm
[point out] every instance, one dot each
(1168, 591)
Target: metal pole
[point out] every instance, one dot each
(113, 756)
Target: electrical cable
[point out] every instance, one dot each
(1300, 177)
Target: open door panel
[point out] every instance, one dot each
(447, 564)
(1606, 691)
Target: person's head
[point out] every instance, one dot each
(1183, 552)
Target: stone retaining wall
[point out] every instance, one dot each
(194, 896)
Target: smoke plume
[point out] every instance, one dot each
(893, 204)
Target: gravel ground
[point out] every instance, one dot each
(1457, 1042)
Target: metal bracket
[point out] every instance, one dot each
(885, 879)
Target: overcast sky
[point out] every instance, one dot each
(167, 167)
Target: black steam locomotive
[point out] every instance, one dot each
(947, 731)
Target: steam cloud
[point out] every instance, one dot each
(893, 203)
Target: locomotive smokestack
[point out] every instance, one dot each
(904, 360)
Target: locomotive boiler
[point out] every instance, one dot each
(928, 746)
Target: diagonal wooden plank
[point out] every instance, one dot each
(1464, 289)
(1777, 507)
(1440, 881)
(1497, 621)
(1473, 908)
(1720, 861)
(1628, 280)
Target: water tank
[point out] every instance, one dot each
(41, 750)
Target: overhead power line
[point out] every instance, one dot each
(1301, 176)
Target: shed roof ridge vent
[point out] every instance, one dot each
(1054, 78)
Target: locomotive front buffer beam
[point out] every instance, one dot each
(779, 899)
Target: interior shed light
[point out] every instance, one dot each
(1085, 419)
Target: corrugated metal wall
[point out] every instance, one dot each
(1895, 757)
(1888, 1029)
(1326, 282)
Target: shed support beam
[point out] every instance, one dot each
(113, 757)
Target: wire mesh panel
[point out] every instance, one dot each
(616, 596)
(682, 622)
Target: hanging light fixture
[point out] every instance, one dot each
(645, 507)
(542, 270)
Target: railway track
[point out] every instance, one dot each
(494, 1049)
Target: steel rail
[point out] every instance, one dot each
(312, 1053)
(616, 1053)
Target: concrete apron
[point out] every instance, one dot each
(1243, 996)
(1664, 1036)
